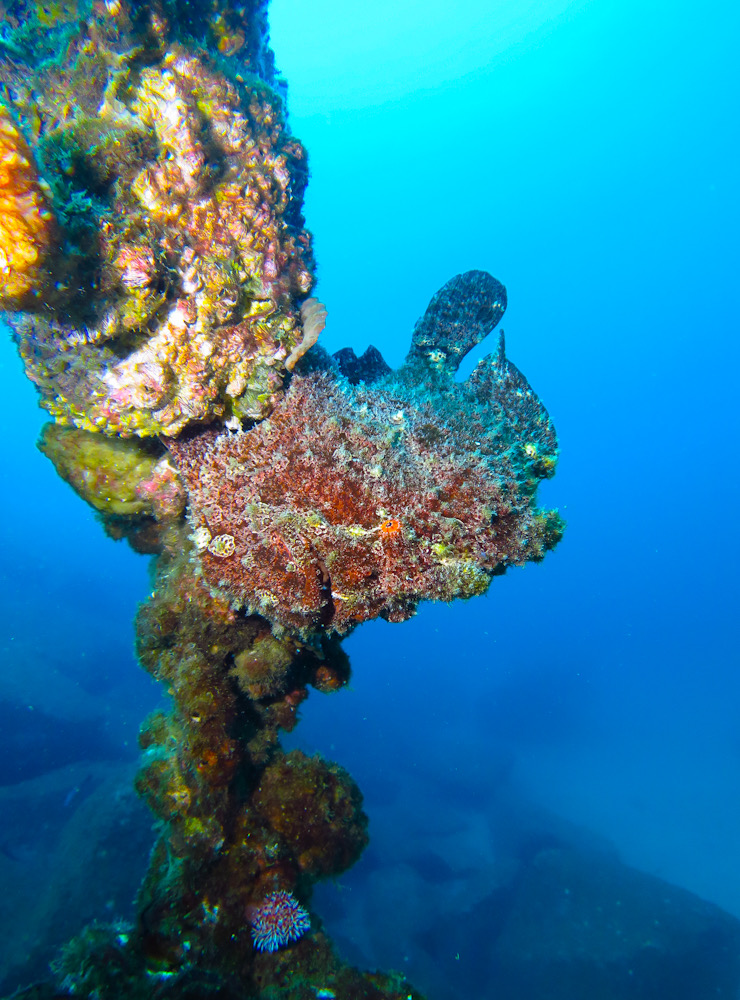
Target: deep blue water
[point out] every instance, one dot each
(586, 154)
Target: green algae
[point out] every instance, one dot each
(106, 472)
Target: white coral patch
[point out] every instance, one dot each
(222, 546)
(201, 538)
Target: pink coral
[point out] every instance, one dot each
(203, 272)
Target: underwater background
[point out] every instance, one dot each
(586, 154)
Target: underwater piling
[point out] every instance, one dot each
(156, 273)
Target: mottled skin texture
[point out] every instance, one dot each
(369, 367)
(459, 316)
(353, 502)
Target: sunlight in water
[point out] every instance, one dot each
(395, 48)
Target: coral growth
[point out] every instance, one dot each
(352, 502)
(179, 190)
(317, 809)
(313, 316)
(115, 476)
(242, 822)
(26, 221)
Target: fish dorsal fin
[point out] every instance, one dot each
(459, 316)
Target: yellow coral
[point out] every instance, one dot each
(26, 222)
(204, 264)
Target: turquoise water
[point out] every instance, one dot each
(586, 154)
